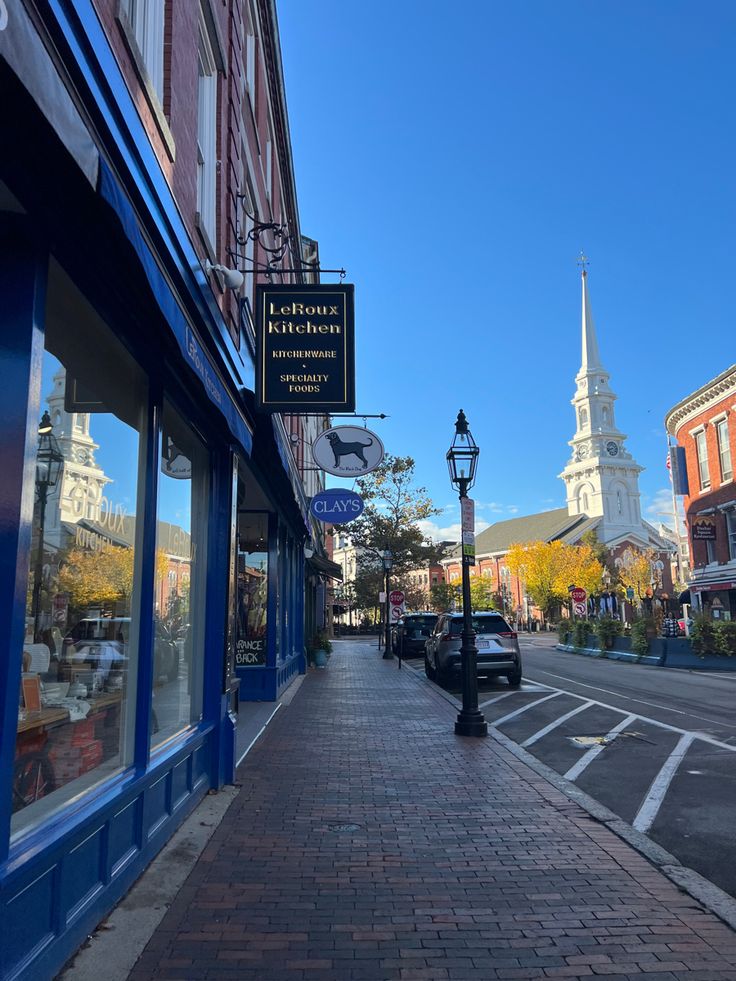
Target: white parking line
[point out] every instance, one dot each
(525, 708)
(587, 758)
(645, 718)
(506, 694)
(553, 725)
(653, 801)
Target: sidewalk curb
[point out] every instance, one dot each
(714, 899)
(122, 936)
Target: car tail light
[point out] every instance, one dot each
(445, 637)
(508, 633)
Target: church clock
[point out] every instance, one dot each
(612, 448)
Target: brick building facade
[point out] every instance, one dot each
(703, 425)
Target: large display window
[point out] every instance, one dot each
(76, 713)
(252, 589)
(180, 580)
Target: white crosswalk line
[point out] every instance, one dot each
(553, 725)
(574, 772)
(653, 801)
(525, 708)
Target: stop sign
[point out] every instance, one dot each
(578, 595)
(396, 597)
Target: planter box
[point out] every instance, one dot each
(680, 655)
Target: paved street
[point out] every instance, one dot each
(669, 763)
(369, 842)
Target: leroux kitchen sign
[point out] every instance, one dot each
(305, 348)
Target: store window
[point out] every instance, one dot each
(76, 716)
(180, 581)
(252, 589)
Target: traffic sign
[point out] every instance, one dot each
(578, 609)
(396, 597)
(578, 594)
(397, 612)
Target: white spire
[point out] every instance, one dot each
(591, 360)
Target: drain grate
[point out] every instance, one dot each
(337, 828)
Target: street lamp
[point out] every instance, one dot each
(49, 461)
(462, 461)
(388, 560)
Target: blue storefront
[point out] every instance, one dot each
(151, 525)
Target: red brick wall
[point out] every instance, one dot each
(719, 492)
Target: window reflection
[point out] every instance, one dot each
(179, 600)
(76, 704)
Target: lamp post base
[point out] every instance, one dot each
(471, 723)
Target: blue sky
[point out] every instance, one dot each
(455, 159)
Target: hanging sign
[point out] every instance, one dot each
(704, 529)
(347, 451)
(336, 505)
(305, 348)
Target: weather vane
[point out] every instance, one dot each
(583, 261)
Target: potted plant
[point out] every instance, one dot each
(322, 648)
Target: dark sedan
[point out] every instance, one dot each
(411, 633)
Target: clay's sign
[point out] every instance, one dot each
(336, 505)
(305, 348)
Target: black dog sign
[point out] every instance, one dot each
(347, 451)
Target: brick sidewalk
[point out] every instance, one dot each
(465, 863)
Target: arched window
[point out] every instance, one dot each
(604, 413)
(583, 418)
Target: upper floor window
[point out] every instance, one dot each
(583, 418)
(724, 449)
(701, 450)
(146, 18)
(731, 533)
(250, 67)
(206, 135)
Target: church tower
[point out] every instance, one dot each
(601, 478)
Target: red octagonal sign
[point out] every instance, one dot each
(578, 595)
(396, 597)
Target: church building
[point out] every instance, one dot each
(602, 490)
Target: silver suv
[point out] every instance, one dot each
(496, 642)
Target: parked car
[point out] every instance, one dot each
(495, 641)
(412, 632)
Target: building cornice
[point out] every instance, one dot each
(693, 405)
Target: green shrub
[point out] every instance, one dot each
(563, 630)
(607, 629)
(725, 637)
(322, 642)
(579, 633)
(703, 636)
(640, 630)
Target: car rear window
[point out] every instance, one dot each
(428, 621)
(483, 625)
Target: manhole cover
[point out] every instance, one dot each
(344, 827)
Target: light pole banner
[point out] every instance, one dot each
(467, 519)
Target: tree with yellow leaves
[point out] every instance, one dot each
(637, 570)
(548, 569)
(99, 577)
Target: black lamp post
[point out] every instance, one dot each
(388, 560)
(49, 462)
(462, 460)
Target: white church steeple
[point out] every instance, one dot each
(601, 478)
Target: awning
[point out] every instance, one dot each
(25, 52)
(189, 344)
(708, 587)
(326, 566)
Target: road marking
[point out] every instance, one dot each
(574, 772)
(506, 694)
(553, 725)
(525, 708)
(641, 701)
(645, 718)
(653, 801)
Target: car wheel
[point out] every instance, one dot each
(428, 669)
(514, 678)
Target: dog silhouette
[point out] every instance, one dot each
(340, 449)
